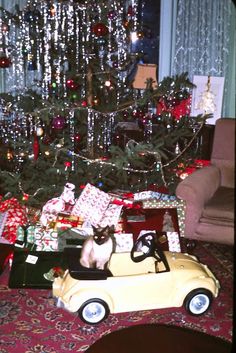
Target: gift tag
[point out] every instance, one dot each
(31, 259)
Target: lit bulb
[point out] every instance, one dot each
(134, 37)
(9, 155)
(39, 131)
(5, 27)
(107, 83)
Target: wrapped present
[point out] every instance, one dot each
(47, 241)
(36, 237)
(65, 221)
(27, 236)
(3, 219)
(124, 242)
(58, 204)
(71, 238)
(173, 241)
(147, 195)
(120, 226)
(16, 216)
(91, 204)
(111, 216)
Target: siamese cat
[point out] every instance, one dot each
(97, 249)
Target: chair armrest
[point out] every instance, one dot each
(196, 190)
(199, 186)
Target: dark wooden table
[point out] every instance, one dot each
(154, 338)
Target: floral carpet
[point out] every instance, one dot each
(30, 322)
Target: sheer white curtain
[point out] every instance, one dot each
(205, 43)
(8, 5)
(167, 37)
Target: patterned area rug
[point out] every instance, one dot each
(31, 323)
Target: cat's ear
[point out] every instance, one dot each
(108, 230)
(94, 229)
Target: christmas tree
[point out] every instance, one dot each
(76, 110)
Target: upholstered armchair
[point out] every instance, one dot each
(209, 191)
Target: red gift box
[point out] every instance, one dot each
(16, 216)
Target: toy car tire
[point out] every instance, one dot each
(198, 301)
(94, 311)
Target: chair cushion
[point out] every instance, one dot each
(220, 208)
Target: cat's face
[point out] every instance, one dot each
(101, 235)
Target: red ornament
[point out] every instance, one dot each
(77, 137)
(71, 84)
(111, 15)
(67, 165)
(58, 122)
(125, 114)
(100, 30)
(5, 62)
(36, 147)
(84, 103)
(115, 64)
(130, 11)
(5, 27)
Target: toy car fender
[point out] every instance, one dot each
(79, 298)
(189, 286)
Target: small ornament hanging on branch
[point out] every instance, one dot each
(5, 61)
(58, 122)
(36, 147)
(100, 29)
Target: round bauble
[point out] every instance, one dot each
(84, 103)
(5, 62)
(5, 27)
(100, 29)
(71, 84)
(58, 122)
(125, 114)
(77, 138)
(111, 15)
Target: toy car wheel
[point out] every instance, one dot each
(93, 311)
(198, 301)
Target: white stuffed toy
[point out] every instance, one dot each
(58, 204)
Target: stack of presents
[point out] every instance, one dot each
(34, 243)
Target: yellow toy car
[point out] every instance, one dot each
(146, 278)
